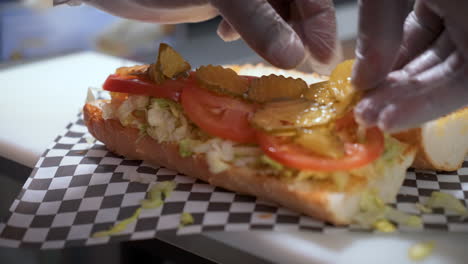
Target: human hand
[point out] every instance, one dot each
(284, 32)
(417, 68)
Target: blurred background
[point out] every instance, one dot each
(32, 30)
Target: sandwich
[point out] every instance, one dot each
(283, 136)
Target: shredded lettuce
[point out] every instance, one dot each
(423, 208)
(402, 218)
(166, 121)
(373, 210)
(119, 227)
(186, 219)
(164, 103)
(186, 146)
(421, 250)
(215, 163)
(270, 162)
(384, 226)
(448, 202)
(125, 110)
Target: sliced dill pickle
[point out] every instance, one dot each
(132, 70)
(337, 92)
(341, 87)
(322, 141)
(168, 65)
(222, 80)
(290, 114)
(273, 87)
(320, 93)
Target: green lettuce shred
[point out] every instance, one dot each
(186, 146)
(384, 226)
(448, 202)
(186, 219)
(270, 162)
(373, 211)
(119, 227)
(156, 196)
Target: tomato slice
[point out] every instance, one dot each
(169, 89)
(219, 115)
(295, 156)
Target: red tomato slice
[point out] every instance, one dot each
(169, 89)
(218, 115)
(295, 156)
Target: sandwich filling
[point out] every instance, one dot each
(281, 127)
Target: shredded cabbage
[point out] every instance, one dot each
(218, 154)
(186, 145)
(423, 208)
(448, 202)
(421, 250)
(186, 219)
(385, 226)
(402, 218)
(373, 210)
(125, 110)
(166, 122)
(270, 162)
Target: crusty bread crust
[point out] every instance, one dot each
(442, 144)
(414, 138)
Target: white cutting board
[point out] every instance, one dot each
(38, 100)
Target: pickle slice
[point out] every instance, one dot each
(322, 141)
(168, 65)
(273, 87)
(337, 91)
(340, 84)
(132, 70)
(291, 114)
(223, 80)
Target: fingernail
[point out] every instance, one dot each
(226, 32)
(286, 53)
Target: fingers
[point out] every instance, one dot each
(263, 30)
(315, 23)
(317, 27)
(380, 34)
(422, 27)
(428, 95)
(226, 32)
(454, 14)
(404, 82)
(431, 57)
(443, 99)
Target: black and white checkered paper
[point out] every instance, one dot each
(78, 188)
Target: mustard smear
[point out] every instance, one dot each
(119, 227)
(157, 194)
(421, 250)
